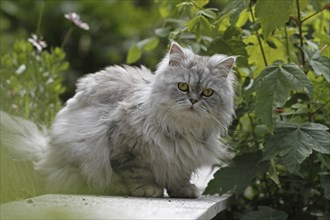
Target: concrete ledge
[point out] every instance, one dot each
(109, 207)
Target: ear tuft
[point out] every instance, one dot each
(228, 62)
(223, 64)
(176, 54)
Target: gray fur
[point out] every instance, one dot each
(129, 131)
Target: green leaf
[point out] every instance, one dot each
(162, 32)
(134, 54)
(273, 174)
(272, 54)
(320, 64)
(265, 213)
(230, 47)
(273, 86)
(260, 130)
(239, 175)
(293, 143)
(164, 10)
(193, 24)
(273, 14)
(230, 44)
(208, 12)
(234, 9)
(148, 44)
(184, 6)
(205, 23)
(196, 24)
(201, 3)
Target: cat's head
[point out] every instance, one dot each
(194, 91)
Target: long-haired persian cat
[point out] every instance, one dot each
(128, 131)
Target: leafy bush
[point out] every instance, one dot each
(280, 135)
(31, 82)
(114, 26)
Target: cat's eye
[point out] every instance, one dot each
(183, 86)
(207, 92)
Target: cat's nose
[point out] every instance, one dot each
(193, 101)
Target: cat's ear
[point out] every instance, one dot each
(224, 65)
(176, 54)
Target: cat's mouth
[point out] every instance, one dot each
(193, 109)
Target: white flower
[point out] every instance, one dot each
(37, 43)
(75, 18)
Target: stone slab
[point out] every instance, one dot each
(53, 206)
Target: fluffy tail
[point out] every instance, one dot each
(22, 138)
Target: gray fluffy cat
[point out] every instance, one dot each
(128, 131)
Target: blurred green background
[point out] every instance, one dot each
(114, 26)
(283, 128)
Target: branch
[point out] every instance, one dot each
(319, 108)
(41, 12)
(312, 15)
(258, 36)
(301, 37)
(287, 44)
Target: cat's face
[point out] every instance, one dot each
(192, 87)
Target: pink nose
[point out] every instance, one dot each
(193, 101)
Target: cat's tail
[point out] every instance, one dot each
(23, 139)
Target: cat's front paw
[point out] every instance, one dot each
(147, 191)
(187, 191)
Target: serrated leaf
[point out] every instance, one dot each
(239, 175)
(134, 54)
(265, 213)
(320, 64)
(293, 143)
(273, 86)
(273, 14)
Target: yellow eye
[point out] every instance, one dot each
(183, 86)
(207, 92)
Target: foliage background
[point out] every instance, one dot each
(282, 167)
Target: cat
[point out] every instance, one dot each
(128, 131)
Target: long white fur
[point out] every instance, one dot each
(116, 110)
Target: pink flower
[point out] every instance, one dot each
(37, 43)
(75, 18)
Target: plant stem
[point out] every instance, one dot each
(323, 48)
(317, 110)
(301, 37)
(312, 15)
(253, 131)
(287, 44)
(40, 18)
(66, 37)
(258, 36)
